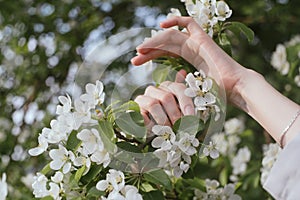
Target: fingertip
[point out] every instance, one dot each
(133, 61)
(189, 110)
(142, 50)
(180, 76)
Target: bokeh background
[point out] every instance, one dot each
(43, 43)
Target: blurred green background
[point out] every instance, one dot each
(44, 42)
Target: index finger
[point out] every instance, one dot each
(188, 22)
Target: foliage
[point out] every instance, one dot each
(43, 43)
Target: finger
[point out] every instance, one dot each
(188, 22)
(167, 100)
(185, 103)
(154, 108)
(180, 76)
(165, 40)
(152, 54)
(148, 122)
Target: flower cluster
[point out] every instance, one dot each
(199, 87)
(174, 151)
(208, 13)
(270, 154)
(72, 119)
(41, 183)
(115, 188)
(213, 191)
(286, 57)
(239, 163)
(226, 143)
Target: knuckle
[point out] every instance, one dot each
(167, 97)
(152, 103)
(149, 89)
(138, 98)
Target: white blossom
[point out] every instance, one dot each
(66, 105)
(228, 193)
(199, 87)
(187, 144)
(213, 191)
(41, 148)
(57, 132)
(211, 150)
(165, 137)
(82, 113)
(28, 180)
(130, 192)
(61, 158)
(279, 59)
(270, 155)
(222, 11)
(3, 187)
(234, 126)
(40, 188)
(58, 177)
(207, 13)
(239, 162)
(91, 141)
(94, 94)
(101, 157)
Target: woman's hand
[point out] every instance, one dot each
(165, 104)
(196, 47)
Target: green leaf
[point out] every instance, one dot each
(132, 123)
(92, 174)
(189, 124)
(159, 177)
(153, 195)
(195, 183)
(237, 28)
(128, 147)
(107, 135)
(223, 176)
(73, 142)
(46, 169)
(118, 109)
(93, 192)
(163, 73)
(47, 198)
(224, 42)
(79, 173)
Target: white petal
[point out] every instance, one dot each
(56, 164)
(156, 129)
(199, 102)
(210, 98)
(190, 92)
(36, 151)
(214, 154)
(58, 177)
(102, 185)
(67, 167)
(90, 88)
(157, 142)
(207, 85)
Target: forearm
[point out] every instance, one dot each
(267, 106)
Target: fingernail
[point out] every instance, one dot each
(189, 110)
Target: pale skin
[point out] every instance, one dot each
(245, 88)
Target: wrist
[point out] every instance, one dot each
(245, 78)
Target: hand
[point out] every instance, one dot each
(196, 47)
(165, 104)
